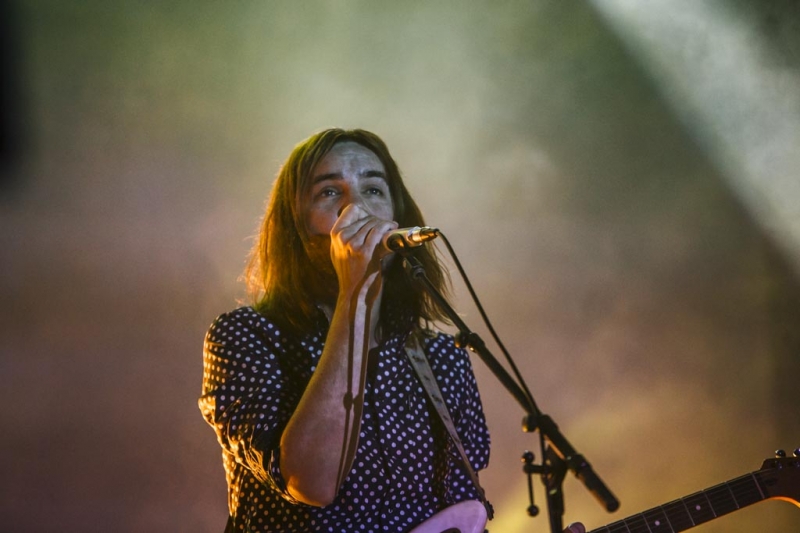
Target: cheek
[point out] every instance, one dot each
(318, 248)
(320, 222)
(382, 208)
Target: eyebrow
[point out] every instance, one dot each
(338, 176)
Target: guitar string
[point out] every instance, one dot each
(744, 491)
(742, 486)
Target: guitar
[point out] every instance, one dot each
(468, 516)
(778, 478)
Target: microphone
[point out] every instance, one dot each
(404, 238)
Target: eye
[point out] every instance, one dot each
(375, 191)
(327, 192)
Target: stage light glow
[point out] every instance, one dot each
(732, 84)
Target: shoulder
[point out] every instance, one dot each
(442, 347)
(242, 315)
(241, 322)
(435, 339)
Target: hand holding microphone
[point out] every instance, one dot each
(404, 238)
(361, 244)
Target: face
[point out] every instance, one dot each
(348, 174)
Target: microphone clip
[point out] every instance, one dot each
(403, 240)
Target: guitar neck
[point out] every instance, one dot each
(693, 510)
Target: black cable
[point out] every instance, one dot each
(488, 323)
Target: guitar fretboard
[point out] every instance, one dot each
(695, 509)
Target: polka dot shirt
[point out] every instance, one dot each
(405, 469)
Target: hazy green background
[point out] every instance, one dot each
(618, 182)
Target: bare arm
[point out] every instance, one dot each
(319, 442)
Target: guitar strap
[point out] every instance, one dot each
(420, 364)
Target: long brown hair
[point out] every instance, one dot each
(279, 273)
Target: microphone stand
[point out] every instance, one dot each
(560, 455)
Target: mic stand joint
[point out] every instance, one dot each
(560, 456)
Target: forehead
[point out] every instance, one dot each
(348, 156)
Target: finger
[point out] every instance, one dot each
(354, 234)
(575, 527)
(370, 234)
(349, 214)
(374, 239)
(350, 221)
(356, 224)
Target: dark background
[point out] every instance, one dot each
(620, 181)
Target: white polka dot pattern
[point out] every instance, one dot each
(404, 469)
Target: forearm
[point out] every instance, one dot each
(319, 442)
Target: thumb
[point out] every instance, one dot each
(575, 527)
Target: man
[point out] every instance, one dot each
(323, 424)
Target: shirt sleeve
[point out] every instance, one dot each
(246, 396)
(454, 373)
(472, 422)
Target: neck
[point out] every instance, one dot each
(374, 318)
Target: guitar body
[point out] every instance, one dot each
(464, 517)
(778, 478)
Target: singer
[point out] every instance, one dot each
(323, 424)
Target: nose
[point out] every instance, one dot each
(352, 199)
